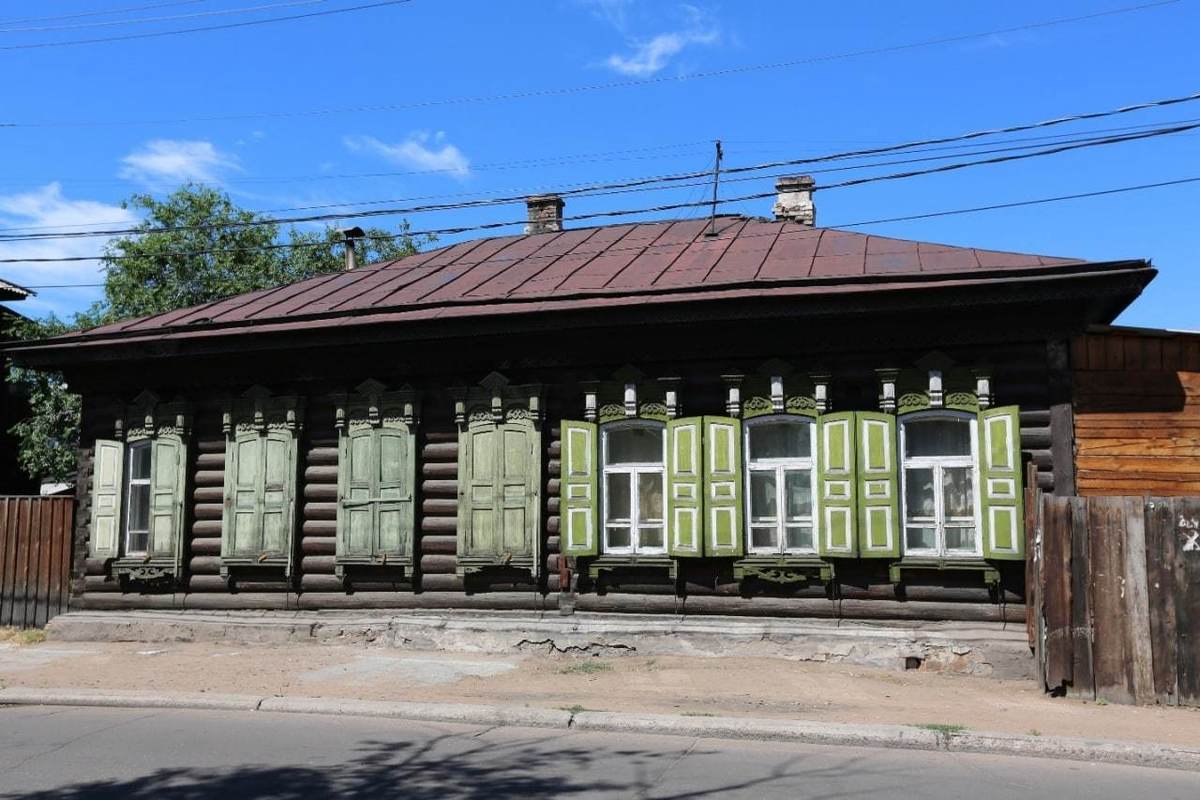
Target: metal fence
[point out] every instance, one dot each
(1115, 597)
(35, 559)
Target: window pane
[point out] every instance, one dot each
(959, 492)
(617, 487)
(960, 538)
(139, 467)
(918, 493)
(138, 542)
(762, 496)
(784, 439)
(139, 507)
(764, 538)
(937, 437)
(650, 497)
(618, 536)
(922, 538)
(635, 446)
(799, 537)
(650, 537)
(797, 493)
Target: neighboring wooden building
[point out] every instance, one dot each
(1137, 411)
(760, 417)
(14, 406)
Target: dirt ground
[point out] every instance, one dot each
(760, 687)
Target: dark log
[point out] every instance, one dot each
(437, 469)
(438, 564)
(498, 601)
(553, 544)
(321, 583)
(446, 508)
(554, 468)
(209, 494)
(554, 449)
(1031, 418)
(440, 451)
(210, 445)
(552, 583)
(210, 461)
(439, 488)
(321, 475)
(552, 486)
(206, 527)
(206, 547)
(112, 602)
(439, 544)
(552, 523)
(315, 564)
(234, 602)
(788, 607)
(323, 492)
(553, 504)
(208, 510)
(318, 545)
(210, 477)
(324, 442)
(442, 437)
(1038, 438)
(441, 583)
(934, 594)
(204, 565)
(99, 583)
(319, 527)
(439, 525)
(320, 511)
(323, 455)
(95, 566)
(207, 583)
(252, 585)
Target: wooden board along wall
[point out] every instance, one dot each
(1137, 412)
(35, 559)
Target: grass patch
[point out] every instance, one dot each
(22, 636)
(575, 709)
(586, 668)
(942, 728)
(698, 714)
(1034, 732)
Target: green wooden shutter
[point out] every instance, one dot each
(279, 473)
(107, 484)
(516, 498)
(580, 488)
(835, 481)
(395, 473)
(499, 472)
(168, 470)
(1002, 503)
(723, 486)
(357, 465)
(240, 537)
(878, 486)
(685, 487)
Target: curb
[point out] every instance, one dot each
(896, 737)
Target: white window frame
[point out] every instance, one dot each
(130, 482)
(780, 466)
(633, 470)
(937, 464)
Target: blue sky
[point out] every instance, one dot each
(97, 122)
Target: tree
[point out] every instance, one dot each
(192, 247)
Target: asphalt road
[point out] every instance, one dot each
(77, 753)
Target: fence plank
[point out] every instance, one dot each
(1082, 634)
(36, 551)
(1056, 598)
(21, 586)
(1187, 599)
(1162, 563)
(1111, 657)
(1137, 602)
(7, 545)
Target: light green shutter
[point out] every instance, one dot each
(355, 471)
(240, 529)
(168, 465)
(835, 481)
(516, 497)
(278, 469)
(107, 482)
(580, 488)
(1000, 483)
(395, 468)
(878, 486)
(477, 489)
(685, 487)
(723, 486)
(499, 471)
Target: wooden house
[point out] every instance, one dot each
(14, 405)
(746, 415)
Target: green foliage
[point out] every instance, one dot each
(192, 247)
(946, 730)
(587, 668)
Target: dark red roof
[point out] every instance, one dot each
(634, 263)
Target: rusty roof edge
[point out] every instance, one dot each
(1073, 270)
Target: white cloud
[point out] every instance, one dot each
(649, 56)
(45, 210)
(421, 150)
(162, 162)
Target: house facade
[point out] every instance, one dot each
(737, 415)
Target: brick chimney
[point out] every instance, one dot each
(545, 213)
(794, 201)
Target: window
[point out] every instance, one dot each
(137, 502)
(634, 474)
(780, 475)
(940, 485)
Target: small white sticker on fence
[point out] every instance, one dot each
(1189, 529)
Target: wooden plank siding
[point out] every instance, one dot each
(35, 561)
(1137, 412)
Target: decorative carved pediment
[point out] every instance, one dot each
(259, 410)
(499, 400)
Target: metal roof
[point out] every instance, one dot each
(10, 291)
(627, 264)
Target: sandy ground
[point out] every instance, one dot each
(761, 687)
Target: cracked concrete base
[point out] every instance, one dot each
(984, 649)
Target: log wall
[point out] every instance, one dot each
(1137, 412)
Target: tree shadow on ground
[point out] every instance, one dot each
(471, 767)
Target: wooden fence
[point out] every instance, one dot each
(35, 559)
(1114, 597)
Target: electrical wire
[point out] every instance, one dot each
(561, 91)
(105, 12)
(219, 12)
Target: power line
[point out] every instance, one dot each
(555, 92)
(602, 189)
(928, 215)
(220, 12)
(105, 12)
(221, 27)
